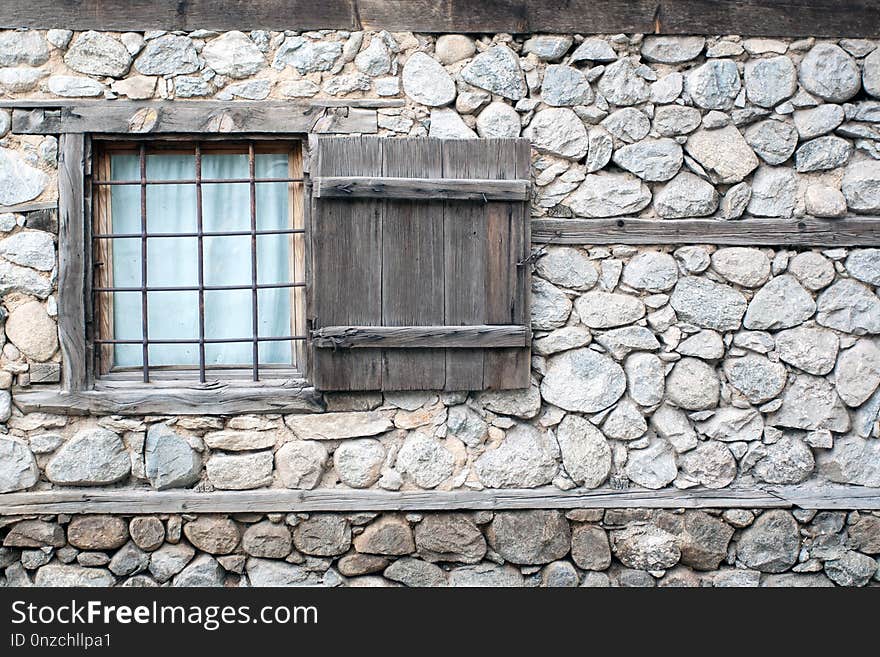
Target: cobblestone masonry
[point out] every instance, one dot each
(583, 547)
(653, 367)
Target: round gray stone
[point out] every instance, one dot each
(582, 380)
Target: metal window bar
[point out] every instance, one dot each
(255, 339)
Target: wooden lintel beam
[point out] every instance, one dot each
(449, 189)
(819, 18)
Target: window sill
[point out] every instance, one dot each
(167, 398)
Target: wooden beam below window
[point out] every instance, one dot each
(420, 189)
(421, 337)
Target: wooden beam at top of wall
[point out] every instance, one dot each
(820, 18)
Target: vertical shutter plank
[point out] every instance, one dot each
(347, 254)
(466, 265)
(412, 266)
(506, 279)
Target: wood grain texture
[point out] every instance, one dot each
(445, 262)
(407, 337)
(71, 257)
(143, 500)
(423, 188)
(412, 265)
(748, 17)
(208, 400)
(347, 265)
(808, 231)
(163, 117)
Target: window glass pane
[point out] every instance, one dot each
(127, 326)
(173, 316)
(227, 260)
(226, 206)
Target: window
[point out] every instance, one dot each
(198, 257)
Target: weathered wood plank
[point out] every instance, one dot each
(141, 500)
(148, 118)
(71, 255)
(347, 265)
(507, 280)
(220, 400)
(466, 261)
(22, 208)
(412, 265)
(447, 337)
(423, 188)
(750, 17)
(808, 231)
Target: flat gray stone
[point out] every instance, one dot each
(565, 86)
(169, 459)
(861, 186)
(770, 81)
(672, 49)
(645, 547)
(731, 424)
(742, 265)
(582, 380)
(852, 460)
(548, 47)
(621, 84)
(708, 304)
(817, 121)
(713, 85)
(857, 374)
(774, 192)
(425, 460)
(594, 49)
(812, 269)
(300, 463)
(788, 461)
(558, 131)
(566, 266)
(62, 575)
(781, 303)
(170, 54)
(586, 454)
(240, 471)
(93, 457)
(652, 271)
(18, 469)
(523, 459)
(447, 124)
(811, 349)
(359, 462)
(425, 81)
(863, 264)
(723, 153)
(550, 306)
(19, 181)
(849, 306)
(23, 49)
(609, 194)
(811, 403)
(774, 141)
(711, 464)
(654, 160)
(645, 376)
(693, 385)
(599, 310)
(757, 377)
(497, 70)
(529, 537)
(98, 53)
(675, 120)
(628, 124)
(829, 72)
(771, 544)
(686, 195)
(306, 56)
(234, 55)
(822, 153)
(498, 121)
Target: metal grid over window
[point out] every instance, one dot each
(106, 234)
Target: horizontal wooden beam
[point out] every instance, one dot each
(856, 18)
(22, 208)
(134, 117)
(210, 400)
(144, 500)
(807, 231)
(404, 337)
(448, 189)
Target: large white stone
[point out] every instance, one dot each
(566, 266)
(723, 153)
(781, 303)
(550, 307)
(852, 460)
(713, 85)
(426, 81)
(645, 377)
(758, 378)
(98, 53)
(653, 467)
(93, 457)
(849, 306)
(607, 309)
(498, 121)
(654, 160)
(774, 192)
(770, 81)
(742, 265)
(425, 459)
(582, 380)
(693, 385)
(860, 187)
(565, 86)
(708, 304)
(19, 181)
(240, 471)
(31, 248)
(300, 463)
(170, 54)
(31, 329)
(337, 426)
(622, 85)
(811, 403)
(830, 73)
(447, 124)
(233, 54)
(863, 264)
(496, 70)
(18, 469)
(685, 196)
(586, 455)
(169, 459)
(811, 349)
(652, 271)
(307, 56)
(523, 459)
(609, 194)
(558, 131)
(857, 374)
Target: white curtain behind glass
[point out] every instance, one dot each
(173, 261)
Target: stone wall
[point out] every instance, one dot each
(583, 547)
(652, 367)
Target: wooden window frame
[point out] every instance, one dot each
(100, 328)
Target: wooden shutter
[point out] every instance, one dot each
(418, 275)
